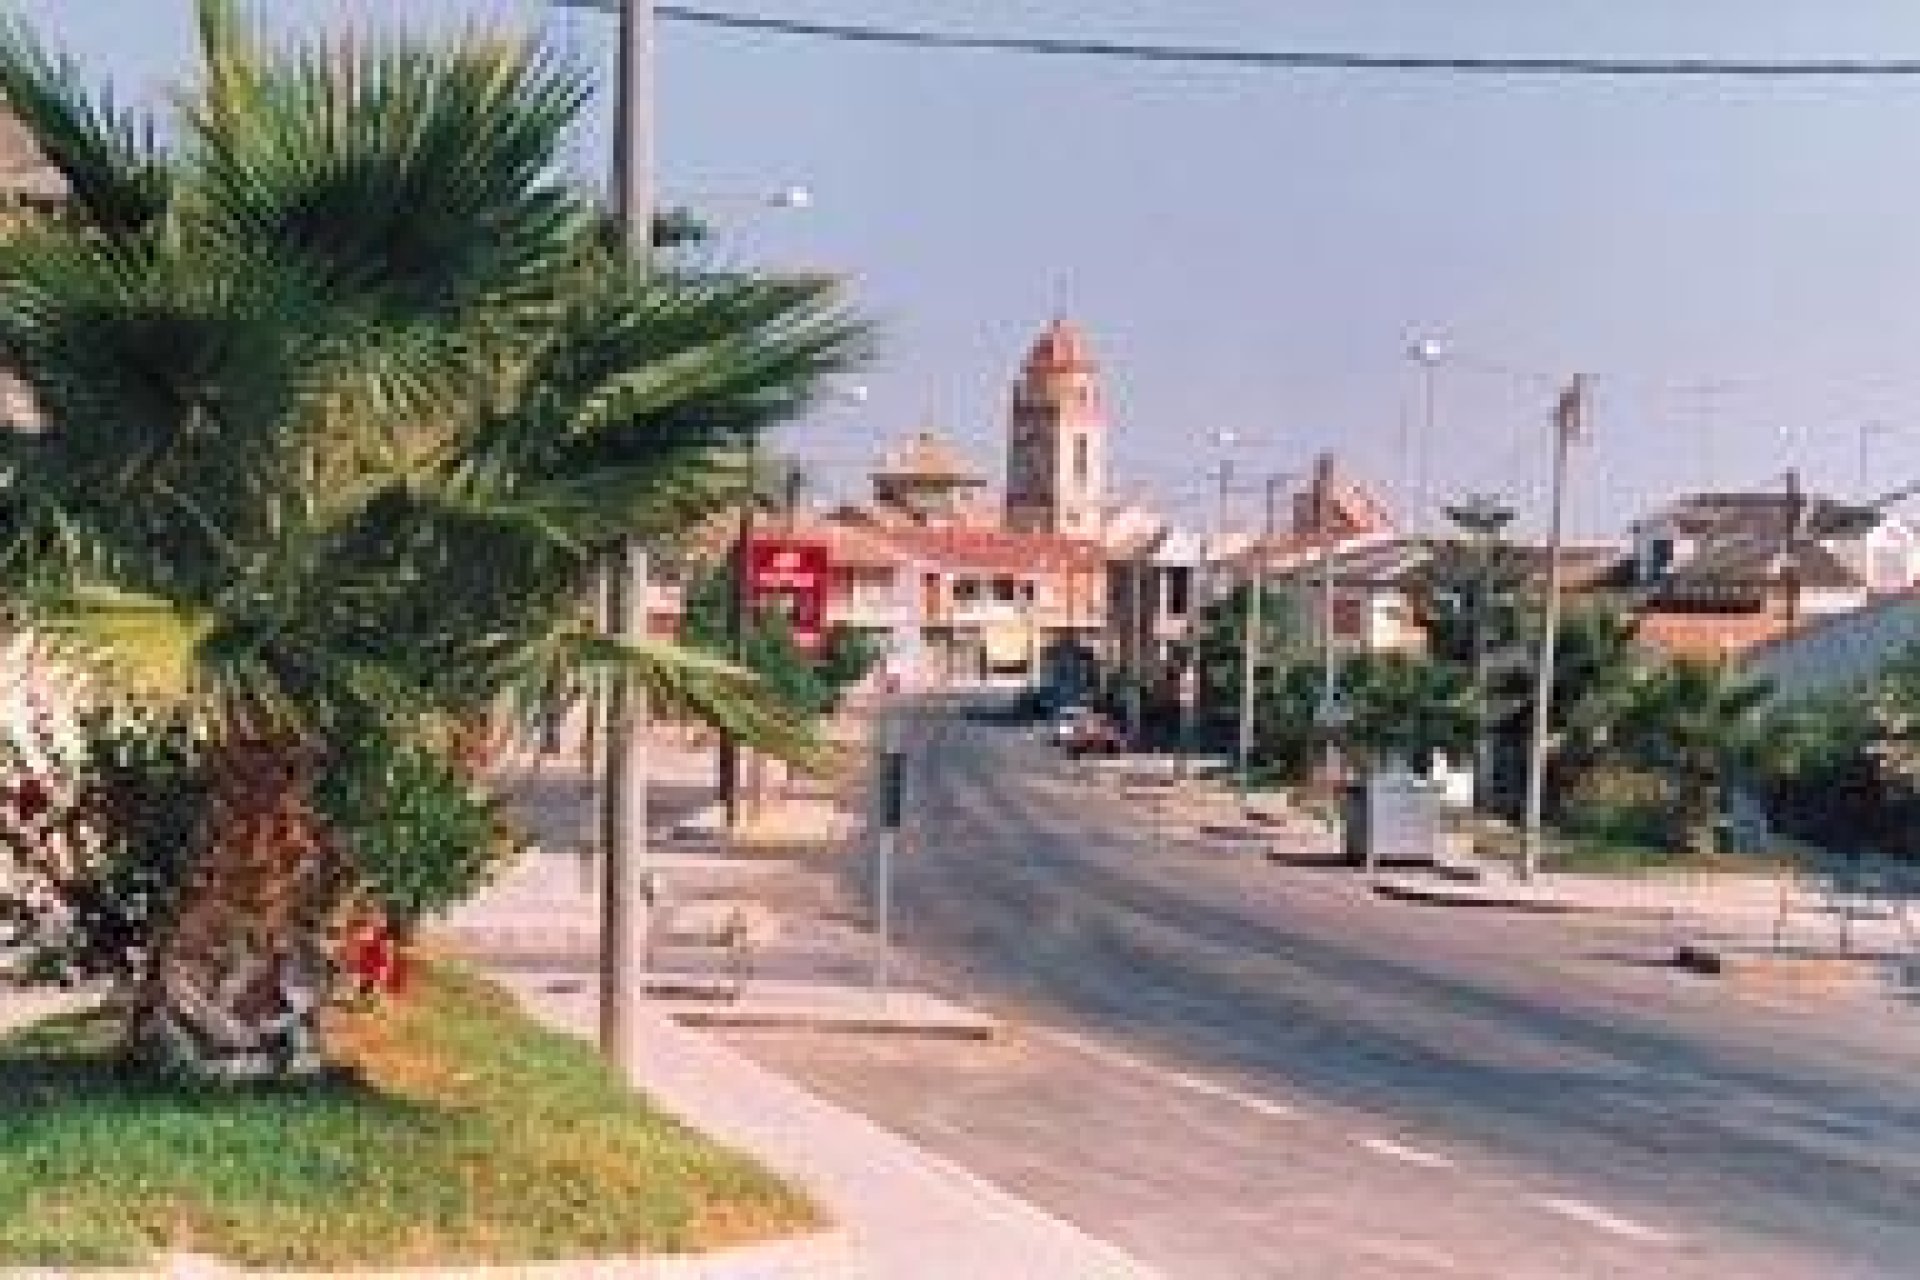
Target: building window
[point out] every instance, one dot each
(1082, 466)
(966, 590)
(1179, 591)
(1005, 590)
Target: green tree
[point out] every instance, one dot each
(1223, 629)
(850, 656)
(1699, 724)
(767, 646)
(345, 402)
(1408, 709)
(1471, 596)
(1288, 739)
(1598, 664)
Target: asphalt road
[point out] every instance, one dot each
(1236, 1069)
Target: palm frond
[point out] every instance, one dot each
(107, 153)
(142, 646)
(421, 176)
(681, 681)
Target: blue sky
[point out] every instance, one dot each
(1736, 265)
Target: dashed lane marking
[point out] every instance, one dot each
(1175, 1079)
(1594, 1216)
(1405, 1154)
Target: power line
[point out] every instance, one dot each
(1295, 60)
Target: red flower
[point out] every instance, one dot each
(375, 959)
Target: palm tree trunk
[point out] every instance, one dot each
(235, 984)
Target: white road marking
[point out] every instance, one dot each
(1409, 1155)
(1594, 1216)
(1177, 1079)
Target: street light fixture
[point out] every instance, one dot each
(795, 197)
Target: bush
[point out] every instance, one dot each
(420, 833)
(96, 841)
(1620, 806)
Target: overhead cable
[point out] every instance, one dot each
(1297, 60)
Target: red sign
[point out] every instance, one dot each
(791, 576)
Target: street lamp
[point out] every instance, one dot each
(1427, 354)
(795, 197)
(1200, 589)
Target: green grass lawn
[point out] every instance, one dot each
(1594, 856)
(460, 1132)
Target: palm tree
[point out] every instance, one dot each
(1598, 667)
(345, 399)
(1697, 722)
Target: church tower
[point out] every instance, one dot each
(1057, 439)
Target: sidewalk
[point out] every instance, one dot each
(901, 1211)
(1734, 911)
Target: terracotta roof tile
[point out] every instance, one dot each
(1707, 635)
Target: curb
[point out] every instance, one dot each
(744, 1016)
(828, 1255)
(1529, 904)
(1445, 896)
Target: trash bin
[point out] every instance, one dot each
(1393, 817)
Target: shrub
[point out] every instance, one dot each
(1620, 805)
(97, 840)
(419, 832)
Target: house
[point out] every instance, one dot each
(958, 605)
(1716, 575)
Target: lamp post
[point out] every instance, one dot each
(1427, 354)
(1331, 715)
(1200, 593)
(1252, 628)
(1569, 426)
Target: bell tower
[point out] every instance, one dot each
(1057, 439)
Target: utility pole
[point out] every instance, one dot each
(1197, 598)
(1569, 423)
(1136, 647)
(1427, 353)
(1796, 519)
(624, 880)
(1330, 712)
(1253, 625)
(889, 819)
(739, 610)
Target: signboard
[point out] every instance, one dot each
(791, 576)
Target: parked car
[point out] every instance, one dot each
(1091, 734)
(1066, 720)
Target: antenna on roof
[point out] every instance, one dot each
(1058, 289)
